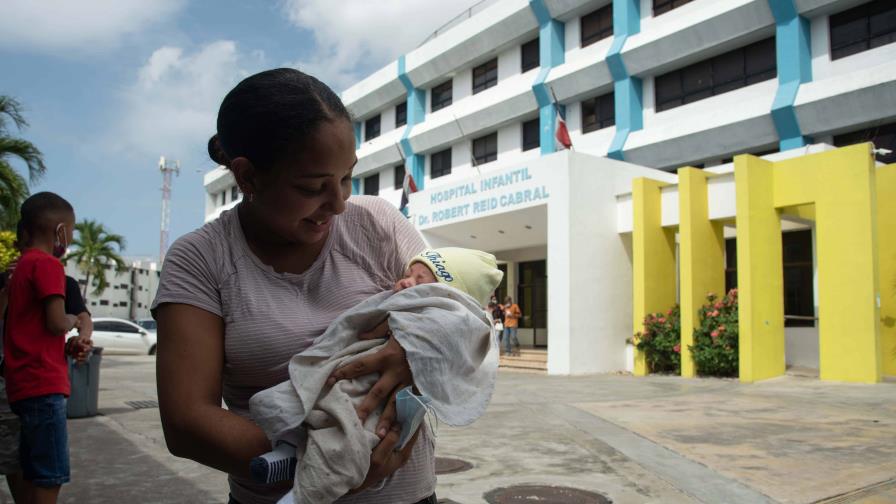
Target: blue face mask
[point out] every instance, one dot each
(409, 411)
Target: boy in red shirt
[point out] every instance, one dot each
(33, 345)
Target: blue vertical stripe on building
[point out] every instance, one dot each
(627, 90)
(551, 52)
(414, 163)
(794, 62)
(356, 185)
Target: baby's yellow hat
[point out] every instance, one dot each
(472, 271)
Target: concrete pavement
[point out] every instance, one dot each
(632, 440)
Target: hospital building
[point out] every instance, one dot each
(714, 144)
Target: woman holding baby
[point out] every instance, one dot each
(241, 295)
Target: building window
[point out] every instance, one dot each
(485, 75)
(440, 96)
(372, 185)
(104, 302)
(530, 56)
(372, 127)
(440, 163)
(398, 178)
(234, 193)
(531, 134)
(663, 6)
(485, 149)
(726, 72)
(597, 25)
(799, 296)
(223, 198)
(864, 27)
(401, 114)
(882, 137)
(598, 113)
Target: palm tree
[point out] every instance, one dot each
(95, 252)
(13, 188)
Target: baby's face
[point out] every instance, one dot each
(417, 274)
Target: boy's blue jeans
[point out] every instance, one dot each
(43, 443)
(510, 332)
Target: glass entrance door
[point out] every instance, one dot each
(532, 296)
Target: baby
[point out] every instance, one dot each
(435, 312)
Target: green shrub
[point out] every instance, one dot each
(661, 341)
(715, 340)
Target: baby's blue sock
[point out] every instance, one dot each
(276, 465)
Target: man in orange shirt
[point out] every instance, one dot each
(512, 316)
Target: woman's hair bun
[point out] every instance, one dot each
(216, 151)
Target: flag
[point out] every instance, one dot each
(409, 187)
(561, 133)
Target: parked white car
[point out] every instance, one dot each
(117, 335)
(146, 323)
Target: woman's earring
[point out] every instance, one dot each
(251, 197)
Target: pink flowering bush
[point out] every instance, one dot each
(715, 339)
(660, 341)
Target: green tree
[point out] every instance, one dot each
(13, 187)
(95, 250)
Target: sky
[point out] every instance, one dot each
(109, 86)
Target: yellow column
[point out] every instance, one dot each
(842, 183)
(702, 261)
(760, 276)
(848, 284)
(653, 257)
(886, 240)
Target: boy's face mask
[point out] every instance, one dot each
(61, 244)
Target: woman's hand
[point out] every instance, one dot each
(395, 374)
(385, 459)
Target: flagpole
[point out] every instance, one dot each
(557, 108)
(472, 158)
(554, 95)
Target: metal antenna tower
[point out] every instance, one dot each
(167, 168)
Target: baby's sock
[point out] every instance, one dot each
(276, 465)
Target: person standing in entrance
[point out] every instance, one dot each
(512, 316)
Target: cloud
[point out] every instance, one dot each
(361, 36)
(171, 106)
(59, 26)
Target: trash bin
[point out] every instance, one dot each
(85, 381)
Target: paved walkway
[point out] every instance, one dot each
(633, 440)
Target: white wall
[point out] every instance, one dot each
(589, 268)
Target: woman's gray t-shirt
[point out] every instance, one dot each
(270, 316)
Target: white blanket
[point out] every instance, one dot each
(454, 359)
